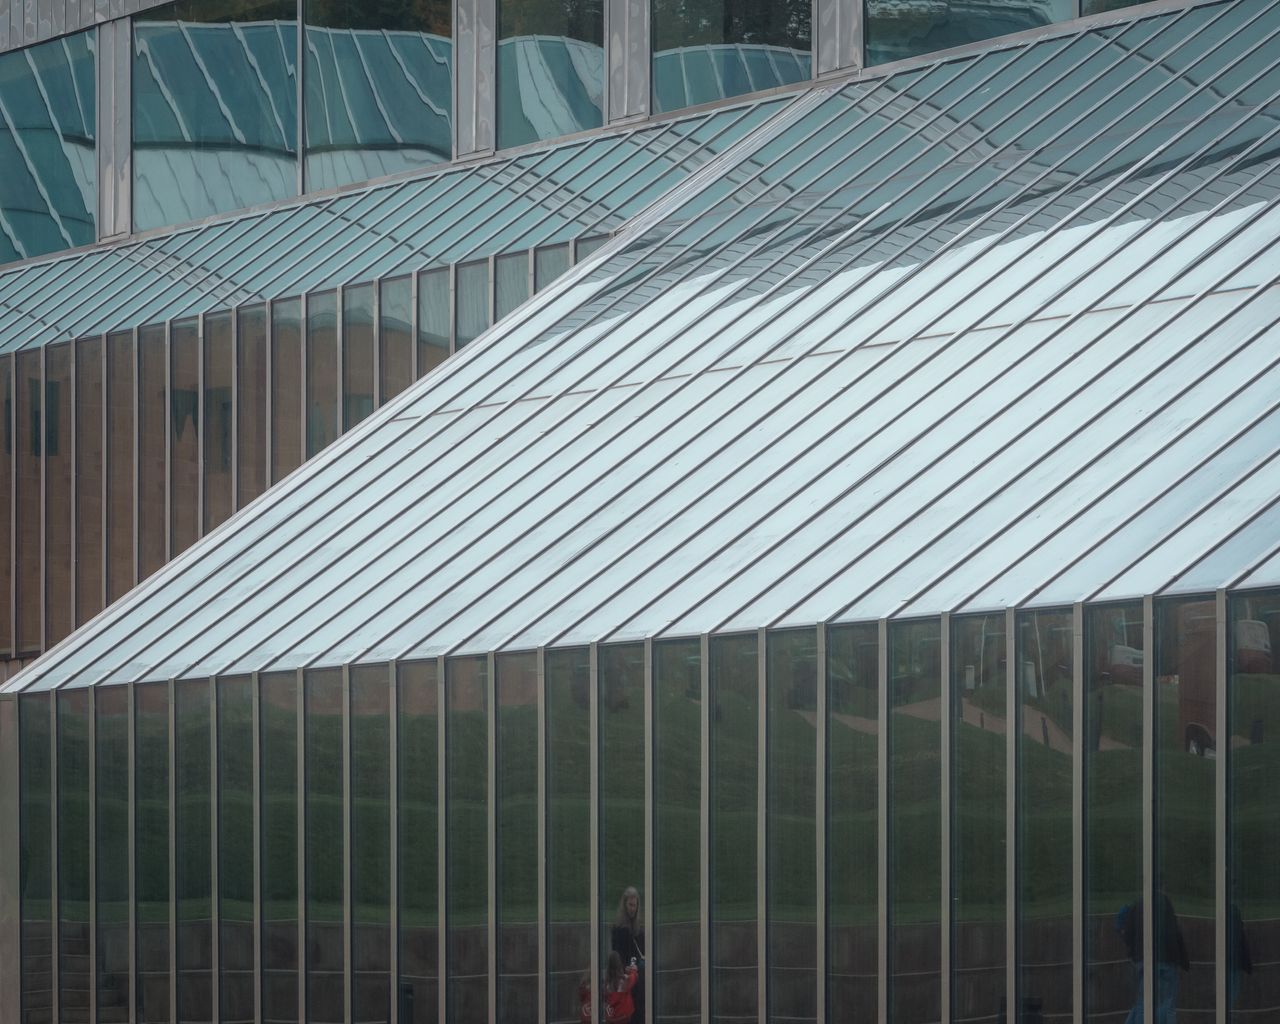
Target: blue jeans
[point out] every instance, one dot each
(1166, 995)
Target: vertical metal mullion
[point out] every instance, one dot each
(946, 792)
(1013, 736)
(704, 824)
(1077, 814)
(93, 850)
(442, 846)
(301, 773)
(650, 830)
(55, 903)
(415, 321)
(1220, 769)
(131, 846)
(883, 959)
(168, 440)
(346, 844)
(215, 882)
(376, 328)
(340, 343)
(543, 920)
(820, 821)
(173, 852)
(532, 286)
(304, 348)
(453, 308)
(43, 440)
(255, 696)
(593, 740)
(137, 453)
(393, 812)
(491, 798)
(300, 101)
(10, 860)
(762, 834)
(201, 340)
(235, 409)
(493, 290)
(268, 387)
(1148, 810)
(74, 443)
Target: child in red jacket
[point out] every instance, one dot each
(616, 985)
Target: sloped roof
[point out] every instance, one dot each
(1002, 330)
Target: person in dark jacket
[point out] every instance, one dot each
(1171, 956)
(627, 940)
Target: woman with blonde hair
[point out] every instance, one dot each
(627, 940)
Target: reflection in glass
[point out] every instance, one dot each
(325, 884)
(235, 849)
(791, 823)
(151, 849)
(57, 501)
(567, 687)
(322, 371)
(395, 337)
(1186, 729)
(852, 855)
(29, 435)
(251, 404)
(214, 108)
(35, 801)
(89, 540)
(192, 826)
(979, 728)
(550, 69)
(6, 507)
(418, 746)
(357, 354)
(676, 957)
(370, 843)
(379, 88)
(473, 301)
(915, 856)
(712, 49)
(549, 262)
(184, 435)
(517, 820)
(894, 31)
(111, 818)
(511, 272)
(1253, 777)
(433, 319)
(286, 388)
(623, 831)
(735, 751)
(279, 854)
(153, 400)
(217, 431)
(1045, 830)
(120, 398)
(467, 859)
(1113, 808)
(74, 838)
(48, 193)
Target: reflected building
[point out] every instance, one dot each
(469, 466)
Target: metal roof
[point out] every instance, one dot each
(999, 331)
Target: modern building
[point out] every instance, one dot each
(845, 512)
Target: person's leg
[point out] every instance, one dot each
(1136, 1011)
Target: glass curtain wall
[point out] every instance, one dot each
(29, 413)
(286, 388)
(251, 404)
(120, 493)
(281, 726)
(6, 506)
(111, 873)
(58, 443)
(75, 971)
(326, 764)
(184, 435)
(896, 31)
(435, 318)
(35, 807)
(706, 50)
(88, 502)
(550, 69)
(357, 354)
(322, 359)
(215, 109)
(370, 811)
(395, 337)
(217, 427)
(193, 838)
(379, 82)
(236, 860)
(152, 824)
(153, 400)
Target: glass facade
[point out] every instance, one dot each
(896, 31)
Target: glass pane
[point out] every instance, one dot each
(152, 400)
(322, 371)
(217, 420)
(893, 34)
(379, 88)
(1113, 808)
(35, 799)
(550, 70)
(979, 731)
(517, 695)
(677, 867)
(735, 752)
(286, 388)
(184, 435)
(214, 108)
(325, 867)
(1045, 818)
(1253, 775)
(111, 745)
(1186, 728)
(371, 843)
(47, 146)
(235, 848)
(915, 854)
(395, 336)
(194, 892)
(251, 407)
(279, 853)
(89, 545)
(6, 505)
(623, 833)
(467, 859)
(567, 686)
(433, 319)
(713, 49)
(586, 246)
(151, 849)
(512, 284)
(30, 410)
(473, 301)
(791, 823)
(120, 370)
(418, 746)
(73, 848)
(57, 447)
(549, 262)
(357, 355)
(853, 772)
